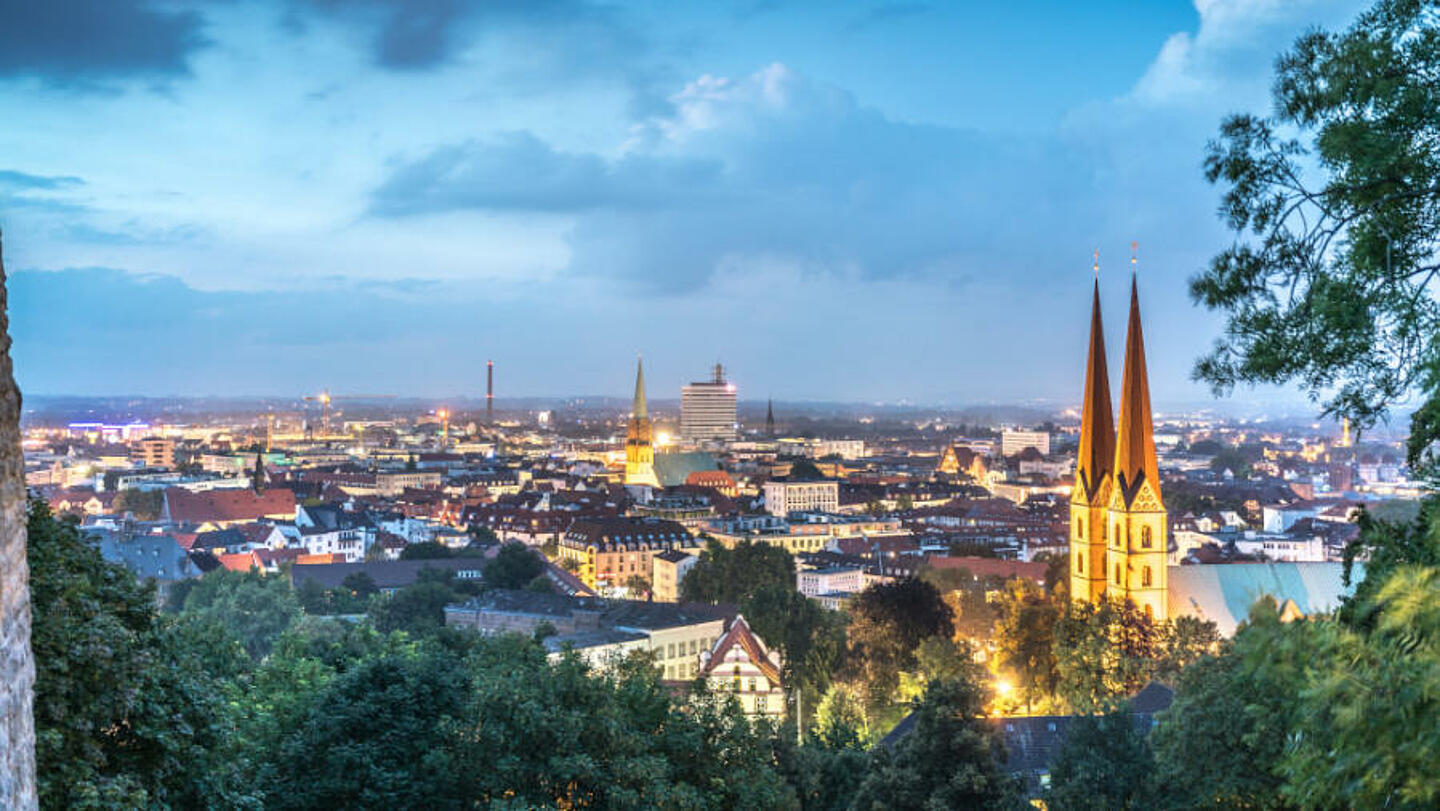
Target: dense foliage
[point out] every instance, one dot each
(1328, 282)
(126, 714)
(237, 698)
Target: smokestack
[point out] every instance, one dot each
(489, 391)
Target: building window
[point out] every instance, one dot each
(1119, 536)
(1117, 574)
(1104, 532)
(1079, 529)
(1145, 577)
(1145, 537)
(1080, 562)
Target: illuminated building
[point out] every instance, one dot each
(707, 410)
(153, 451)
(639, 451)
(1013, 442)
(783, 496)
(1118, 524)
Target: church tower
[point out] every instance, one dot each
(1139, 529)
(639, 452)
(1090, 497)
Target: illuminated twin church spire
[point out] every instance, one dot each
(1118, 525)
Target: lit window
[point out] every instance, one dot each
(1145, 577)
(1145, 537)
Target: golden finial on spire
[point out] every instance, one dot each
(1097, 262)
(1134, 255)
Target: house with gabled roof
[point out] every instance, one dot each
(740, 665)
(217, 509)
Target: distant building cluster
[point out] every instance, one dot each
(1179, 513)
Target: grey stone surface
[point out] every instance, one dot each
(17, 665)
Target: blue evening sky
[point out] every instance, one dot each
(844, 201)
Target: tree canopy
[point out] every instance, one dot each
(1328, 281)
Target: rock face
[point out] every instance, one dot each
(17, 665)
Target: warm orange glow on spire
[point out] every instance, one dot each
(1097, 421)
(1135, 441)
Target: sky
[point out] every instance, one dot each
(872, 201)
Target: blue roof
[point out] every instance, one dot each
(157, 556)
(1224, 592)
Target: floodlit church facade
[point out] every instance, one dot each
(1118, 525)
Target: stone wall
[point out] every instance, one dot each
(17, 666)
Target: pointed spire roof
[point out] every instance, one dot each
(638, 410)
(770, 416)
(1097, 421)
(1135, 438)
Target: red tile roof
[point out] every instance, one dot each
(740, 634)
(183, 506)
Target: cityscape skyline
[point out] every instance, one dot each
(719, 182)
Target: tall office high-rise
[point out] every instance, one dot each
(707, 410)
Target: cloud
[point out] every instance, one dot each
(888, 12)
(519, 172)
(87, 43)
(771, 167)
(1230, 57)
(424, 34)
(41, 193)
(11, 179)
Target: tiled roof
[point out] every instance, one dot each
(387, 574)
(226, 505)
(741, 635)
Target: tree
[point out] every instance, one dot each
(730, 575)
(1219, 744)
(548, 735)
(1185, 641)
(145, 505)
(887, 623)
(256, 608)
(125, 713)
(805, 470)
(481, 535)
(1328, 282)
(1370, 727)
(810, 637)
(361, 585)
(949, 760)
(636, 586)
(1025, 639)
(513, 567)
(1232, 460)
(381, 735)
(827, 769)
(1387, 547)
(418, 608)
(1104, 652)
(1105, 763)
